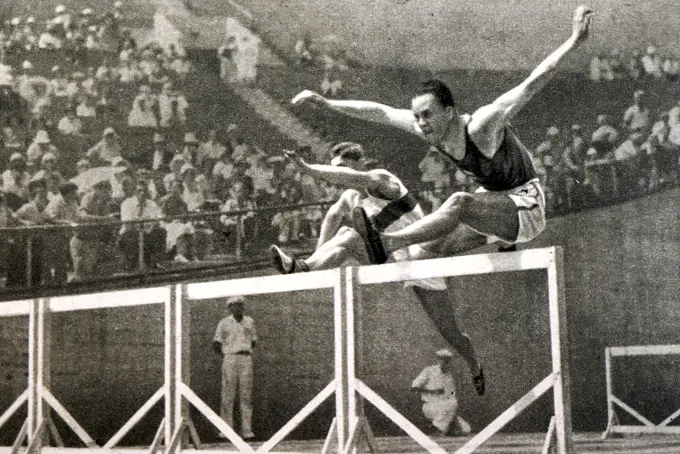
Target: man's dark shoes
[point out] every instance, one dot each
(371, 237)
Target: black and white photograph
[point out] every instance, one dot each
(339, 226)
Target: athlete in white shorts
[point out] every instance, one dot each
(510, 206)
(391, 207)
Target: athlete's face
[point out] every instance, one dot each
(432, 119)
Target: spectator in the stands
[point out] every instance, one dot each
(70, 124)
(181, 234)
(238, 198)
(616, 66)
(159, 154)
(571, 165)
(32, 213)
(605, 137)
(175, 174)
(15, 181)
(59, 84)
(671, 68)
(41, 145)
(637, 117)
(634, 67)
(48, 171)
(190, 150)
(664, 151)
(211, 150)
(222, 173)
(73, 86)
(651, 63)
(141, 115)
(128, 74)
(62, 209)
(193, 189)
(24, 83)
(629, 160)
(140, 207)
(11, 143)
(93, 248)
(106, 151)
(48, 39)
(86, 110)
(172, 106)
(547, 152)
(89, 84)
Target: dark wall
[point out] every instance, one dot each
(621, 285)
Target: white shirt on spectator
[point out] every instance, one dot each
(626, 150)
(652, 65)
(15, 182)
(636, 117)
(49, 41)
(130, 211)
(236, 336)
(142, 118)
(85, 110)
(223, 169)
(165, 108)
(69, 126)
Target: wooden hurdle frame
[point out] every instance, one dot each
(349, 427)
(647, 427)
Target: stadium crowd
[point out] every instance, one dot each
(100, 132)
(116, 142)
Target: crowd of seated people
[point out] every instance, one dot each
(606, 66)
(105, 146)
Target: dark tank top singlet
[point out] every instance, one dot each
(509, 167)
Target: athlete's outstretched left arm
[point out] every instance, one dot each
(489, 121)
(377, 182)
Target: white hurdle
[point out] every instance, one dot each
(349, 427)
(647, 427)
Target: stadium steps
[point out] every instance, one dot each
(281, 119)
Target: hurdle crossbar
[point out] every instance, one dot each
(647, 427)
(347, 386)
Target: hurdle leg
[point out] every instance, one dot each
(332, 433)
(549, 437)
(54, 432)
(20, 438)
(158, 438)
(560, 353)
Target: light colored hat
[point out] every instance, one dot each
(49, 156)
(55, 69)
(60, 9)
(16, 21)
(444, 353)
(27, 65)
(87, 11)
(177, 158)
(553, 131)
(651, 50)
(42, 137)
(185, 168)
(235, 300)
(601, 119)
(575, 127)
(638, 93)
(30, 20)
(118, 4)
(158, 138)
(92, 28)
(109, 131)
(190, 137)
(17, 157)
(83, 162)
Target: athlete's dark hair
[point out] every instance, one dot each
(438, 89)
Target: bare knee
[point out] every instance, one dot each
(344, 230)
(458, 202)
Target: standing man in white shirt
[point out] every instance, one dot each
(235, 338)
(437, 389)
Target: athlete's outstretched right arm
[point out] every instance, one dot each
(364, 110)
